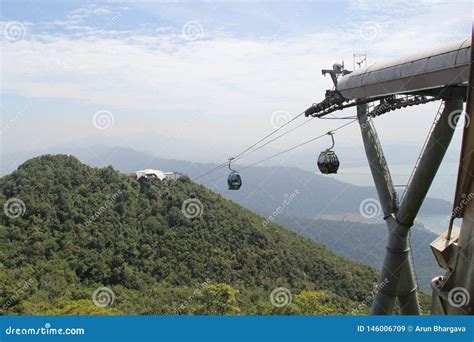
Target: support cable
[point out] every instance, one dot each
(287, 150)
(253, 145)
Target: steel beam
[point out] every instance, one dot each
(430, 161)
(377, 162)
(397, 272)
(386, 295)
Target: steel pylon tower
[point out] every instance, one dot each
(397, 271)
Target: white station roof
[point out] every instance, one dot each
(151, 172)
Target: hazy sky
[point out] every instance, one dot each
(218, 74)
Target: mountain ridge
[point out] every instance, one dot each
(285, 180)
(142, 238)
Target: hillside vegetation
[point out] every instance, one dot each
(83, 228)
(367, 243)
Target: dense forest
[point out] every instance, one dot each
(82, 240)
(367, 242)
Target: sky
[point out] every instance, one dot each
(216, 75)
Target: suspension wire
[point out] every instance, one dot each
(253, 145)
(285, 151)
(339, 118)
(412, 260)
(294, 128)
(250, 149)
(269, 135)
(296, 146)
(436, 118)
(278, 137)
(220, 166)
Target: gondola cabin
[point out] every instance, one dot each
(328, 162)
(234, 181)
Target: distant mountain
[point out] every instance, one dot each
(366, 243)
(69, 229)
(263, 190)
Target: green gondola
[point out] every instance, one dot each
(234, 181)
(328, 162)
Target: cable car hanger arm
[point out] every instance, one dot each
(332, 137)
(230, 161)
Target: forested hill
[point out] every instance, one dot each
(319, 189)
(68, 229)
(367, 243)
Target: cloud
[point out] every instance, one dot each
(163, 72)
(89, 10)
(239, 81)
(159, 70)
(80, 18)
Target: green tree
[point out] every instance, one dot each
(218, 299)
(313, 303)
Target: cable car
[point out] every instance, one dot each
(234, 181)
(328, 162)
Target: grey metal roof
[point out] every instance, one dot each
(434, 68)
